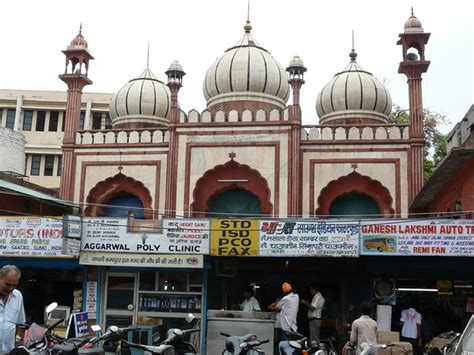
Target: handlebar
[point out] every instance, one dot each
(226, 334)
(112, 332)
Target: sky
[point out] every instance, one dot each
(33, 33)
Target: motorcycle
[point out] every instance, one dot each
(303, 346)
(243, 345)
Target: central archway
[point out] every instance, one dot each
(235, 203)
(354, 204)
(226, 180)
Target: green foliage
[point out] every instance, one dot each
(435, 141)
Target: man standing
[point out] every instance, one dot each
(364, 328)
(288, 307)
(12, 311)
(250, 303)
(411, 328)
(315, 309)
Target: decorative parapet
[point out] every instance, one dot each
(119, 136)
(246, 115)
(355, 133)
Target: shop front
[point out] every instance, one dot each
(141, 279)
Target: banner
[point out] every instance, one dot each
(322, 238)
(427, 238)
(141, 260)
(31, 237)
(179, 236)
(234, 237)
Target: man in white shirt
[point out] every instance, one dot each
(364, 328)
(12, 311)
(411, 328)
(288, 307)
(315, 309)
(250, 303)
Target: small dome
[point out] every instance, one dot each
(142, 102)
(296, 61)
(78, 41)
(175, 66)
(354, 95)
(246, 71)
(413, 24)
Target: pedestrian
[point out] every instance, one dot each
(287, 306)
(250, 303)
(12, 311)
(315, 309)
(410, 320)
(364, 328)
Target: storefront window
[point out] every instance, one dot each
(172, 282)
(147, 281)
(120, 292)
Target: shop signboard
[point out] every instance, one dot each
(413, 238)
(179, 236)
(31, 237)
(91, 299)
(234, 237)
(309, 238)
(141, 260)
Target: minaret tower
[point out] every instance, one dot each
(413, 41)
(296, 71)
(75, 76)
(175, 75)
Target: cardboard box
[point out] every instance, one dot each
(387, 337)
(399, 348)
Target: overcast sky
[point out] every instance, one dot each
(196, 32)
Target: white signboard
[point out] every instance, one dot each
(141, 260)
(72, 226)
(426, 238)
(183, 236)
(91, 299)
(31, 237)
(322, 238)
(71, 246)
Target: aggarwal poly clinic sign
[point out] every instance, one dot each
(179, 236)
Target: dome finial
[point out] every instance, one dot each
(80, 28)
(353, 53)
(412, 11)
(248, 26)
(148, 57)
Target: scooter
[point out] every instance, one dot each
(174, 344)
(303, 346)
(243, 345)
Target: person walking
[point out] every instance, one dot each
(12, 311)
(315, 309)
(364, 328)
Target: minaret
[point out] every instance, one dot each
(75, 76)
(296, 71)
(175, 75)
(412, 40)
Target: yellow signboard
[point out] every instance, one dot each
(445, 287)
(234, 237)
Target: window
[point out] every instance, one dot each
(60, 161)
(96, 120)
(108, 122)
(10, 119)
(53, 121)
(81, 120)
(35, 164)
(48, 165)
(40, 119)
(27, 120)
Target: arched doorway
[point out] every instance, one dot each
(354, 204)
(119, 190)
(234, 202)
(231, 181)
(351, 189)
(121, 206)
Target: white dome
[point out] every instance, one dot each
(246, 71)
(354, 94)
(143, 101)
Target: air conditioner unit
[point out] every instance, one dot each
(226, 268)
(60, 313)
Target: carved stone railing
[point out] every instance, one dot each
(123, 136)
(246, 115)
(382, 132)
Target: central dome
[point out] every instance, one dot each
(246, 72)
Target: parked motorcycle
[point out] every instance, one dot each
(302, 346)
(243, 345)
(174, 344)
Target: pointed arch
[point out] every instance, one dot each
(228, 176)
(355, 182)
(113, 186)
